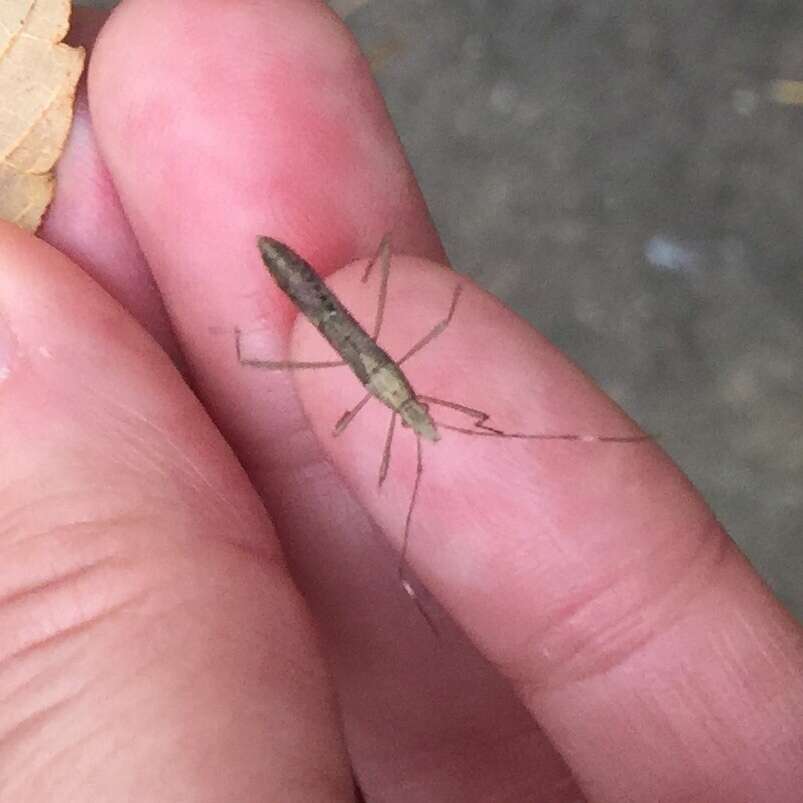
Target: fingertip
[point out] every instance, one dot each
(258, 117)
(52, 305)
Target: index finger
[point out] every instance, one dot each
(592, 574)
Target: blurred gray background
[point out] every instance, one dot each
(629, 177)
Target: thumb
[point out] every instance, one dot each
(149, 635)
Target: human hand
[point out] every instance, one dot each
(153, 645)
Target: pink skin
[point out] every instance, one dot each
(617, 647)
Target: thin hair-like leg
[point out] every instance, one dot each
(382, 256)
(404, 582)
(419, 470)
(383, 468)
(279, 365)
(436, 330)
(350, 415)
(481, 429)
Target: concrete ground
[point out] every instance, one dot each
(629, 177)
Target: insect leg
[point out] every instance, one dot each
(350, 415)
(437, 329)
(419, 470)
(480, 427)
(405, 583)
(382, 256)
(278, 365)
(383, 469)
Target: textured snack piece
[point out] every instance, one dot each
(38, 77)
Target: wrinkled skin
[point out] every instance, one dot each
(198, 594)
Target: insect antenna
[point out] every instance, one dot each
(483, 430)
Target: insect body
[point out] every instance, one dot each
(382, 377)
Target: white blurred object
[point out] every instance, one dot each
(668, 254)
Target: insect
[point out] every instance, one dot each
(381, 375)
